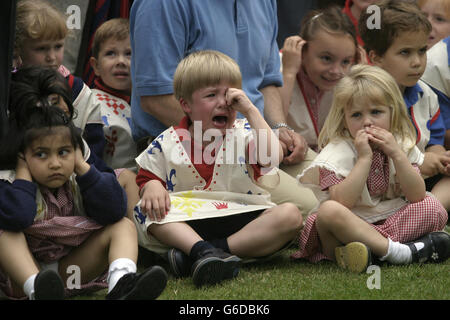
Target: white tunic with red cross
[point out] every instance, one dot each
(120, 150)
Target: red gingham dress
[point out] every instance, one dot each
(59, 232)
(406, 224)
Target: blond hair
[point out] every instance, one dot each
(204, 68)
(117, 28)
(38, 20)
(377, 86)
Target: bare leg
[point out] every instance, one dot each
(337, 225)
(175, 234)
(127, 179)
(16, 259)
(267, 233)
(441, 192)
(118, 240)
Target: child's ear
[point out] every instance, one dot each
(185, 106)
(94, 65)
(375, 58)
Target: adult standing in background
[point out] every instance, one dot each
(290, 14)
(165, 31)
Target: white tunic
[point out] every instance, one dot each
(424, 113)
(87, 108)
(232, 189)
(120, 150)
(437, 72)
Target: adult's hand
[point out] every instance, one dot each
(294, 146)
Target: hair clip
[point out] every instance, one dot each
(316, 16)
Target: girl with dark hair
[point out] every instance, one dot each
(58, 212)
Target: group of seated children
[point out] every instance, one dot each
(75, 192)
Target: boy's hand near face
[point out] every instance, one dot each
(155, 200)
(238, 100)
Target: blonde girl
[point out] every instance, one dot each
(366, 176)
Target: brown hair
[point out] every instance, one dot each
(117, 28)
(331, 20)
(396, 16)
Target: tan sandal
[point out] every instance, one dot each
(355, 256)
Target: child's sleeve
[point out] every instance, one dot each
(152, 162)
(104, 199)
(437, 129)
(145, 176)
(17, 204)
(444, 106)
(95, 138)
(328, 179)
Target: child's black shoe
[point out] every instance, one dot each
(434, 247)
(48, 286)
(179, 263)
(213, 266)
(145, 286)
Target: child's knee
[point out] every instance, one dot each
(435, 213)
(125, 226)
(330, 212)
(292, 216)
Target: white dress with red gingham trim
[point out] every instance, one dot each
(407, 223)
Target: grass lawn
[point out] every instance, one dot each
(283, 279)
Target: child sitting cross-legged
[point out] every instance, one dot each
(201, 201)
(367, 178)
(57, 211)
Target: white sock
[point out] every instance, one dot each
(117, 269)
(398, 253)
(28, 286)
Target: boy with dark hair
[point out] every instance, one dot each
(400, 47)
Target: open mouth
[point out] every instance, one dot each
(220, 121)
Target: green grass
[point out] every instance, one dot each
(283, 279)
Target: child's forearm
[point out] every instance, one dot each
(411, 183)
(349, 191)
(104, 199)
(289, 80)
(264, 137)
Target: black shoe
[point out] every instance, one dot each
(436, 248)
(48, 286)
(214, 266)
(179, 263)
(145, 286)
